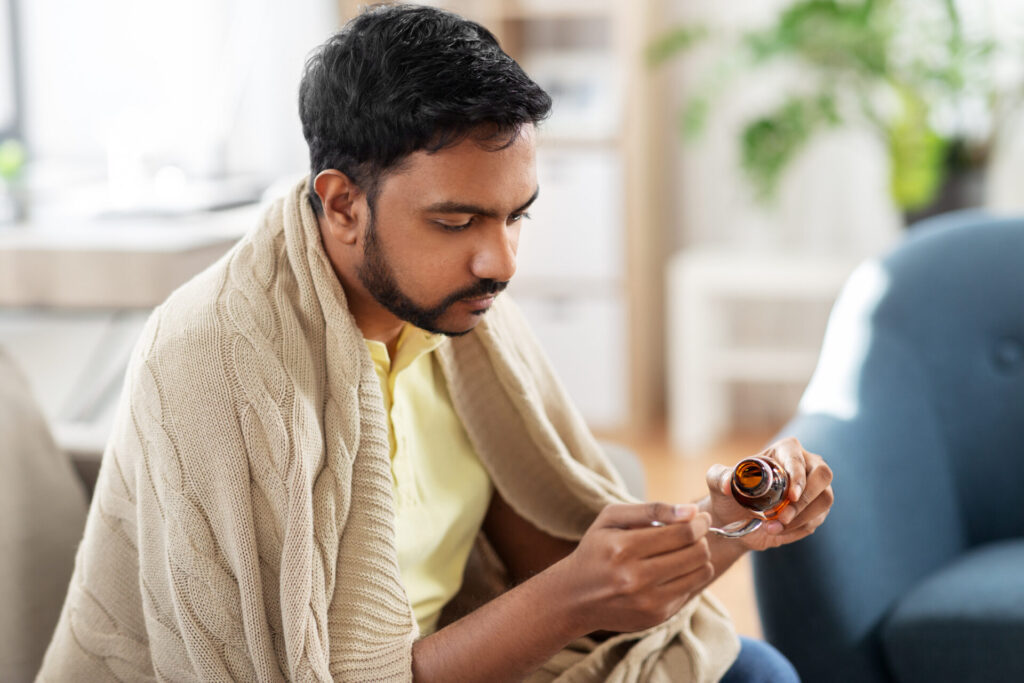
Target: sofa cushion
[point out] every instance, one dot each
(42, 514)
(963, 623)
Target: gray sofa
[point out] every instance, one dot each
(42, 514)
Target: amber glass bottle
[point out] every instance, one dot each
(761, 485)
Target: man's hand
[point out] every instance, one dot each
(624, 575)
(810, 495)
(627, 575)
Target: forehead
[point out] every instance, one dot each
(471, 171)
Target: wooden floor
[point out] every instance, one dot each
(676, 477)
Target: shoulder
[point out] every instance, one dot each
(233, 315)
(236, 294)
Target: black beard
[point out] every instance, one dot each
(378, 278)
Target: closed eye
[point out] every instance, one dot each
(458, 227)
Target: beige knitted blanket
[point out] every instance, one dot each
(242, 526)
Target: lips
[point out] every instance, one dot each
(481, 301)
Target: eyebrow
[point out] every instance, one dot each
(460, 207)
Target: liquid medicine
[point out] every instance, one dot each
(761, 485)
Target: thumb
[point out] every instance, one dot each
(718, 478)
(631, 515)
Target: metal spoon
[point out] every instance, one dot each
(738, 529)
(734, 530)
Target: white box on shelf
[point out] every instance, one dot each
(702, 361)
(585, 339)
(585, 88)
(576, 226)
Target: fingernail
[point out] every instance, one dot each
(683, 511)
(797, 492)
(773, 527)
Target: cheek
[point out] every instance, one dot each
(431, 266)
(434, 272)
(446, 259)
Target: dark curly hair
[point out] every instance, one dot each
(402, 78)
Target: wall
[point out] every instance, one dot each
(207, 85)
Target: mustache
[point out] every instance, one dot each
(481, 288)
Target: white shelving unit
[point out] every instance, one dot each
(705, 362)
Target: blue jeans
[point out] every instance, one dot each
(759, 662)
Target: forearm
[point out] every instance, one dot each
(505, 639)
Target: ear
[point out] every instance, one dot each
(345, 208)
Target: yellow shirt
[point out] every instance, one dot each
(441, 489)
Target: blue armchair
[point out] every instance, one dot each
(917, 403)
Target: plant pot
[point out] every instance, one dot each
(963, 188)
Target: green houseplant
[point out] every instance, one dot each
(12, 162)
(907, 73)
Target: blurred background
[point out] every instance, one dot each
(712, 173)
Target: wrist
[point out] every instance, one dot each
(725, 552)
(558, 595)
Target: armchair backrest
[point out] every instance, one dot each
(918, 405)
(955, 301)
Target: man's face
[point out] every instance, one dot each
(442, 236)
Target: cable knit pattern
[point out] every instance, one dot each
(243, 523)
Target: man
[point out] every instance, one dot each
(341, 453)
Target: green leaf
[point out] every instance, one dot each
(916, 155)
(12, 159)
(679, 39)
(830, 35)
(770, 143)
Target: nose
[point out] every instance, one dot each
(495, 258)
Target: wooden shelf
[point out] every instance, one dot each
(763, 365)
(112, 264)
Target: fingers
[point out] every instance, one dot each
(659, 540)
(798, 531)
(686, 585)
(629, 516)
(671, 565)
(818, 481)
(815, 507)
(660, 591)
(718, 478)
(791, 455)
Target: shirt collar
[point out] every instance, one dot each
(412, 343)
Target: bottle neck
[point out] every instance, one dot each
(754, 477)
